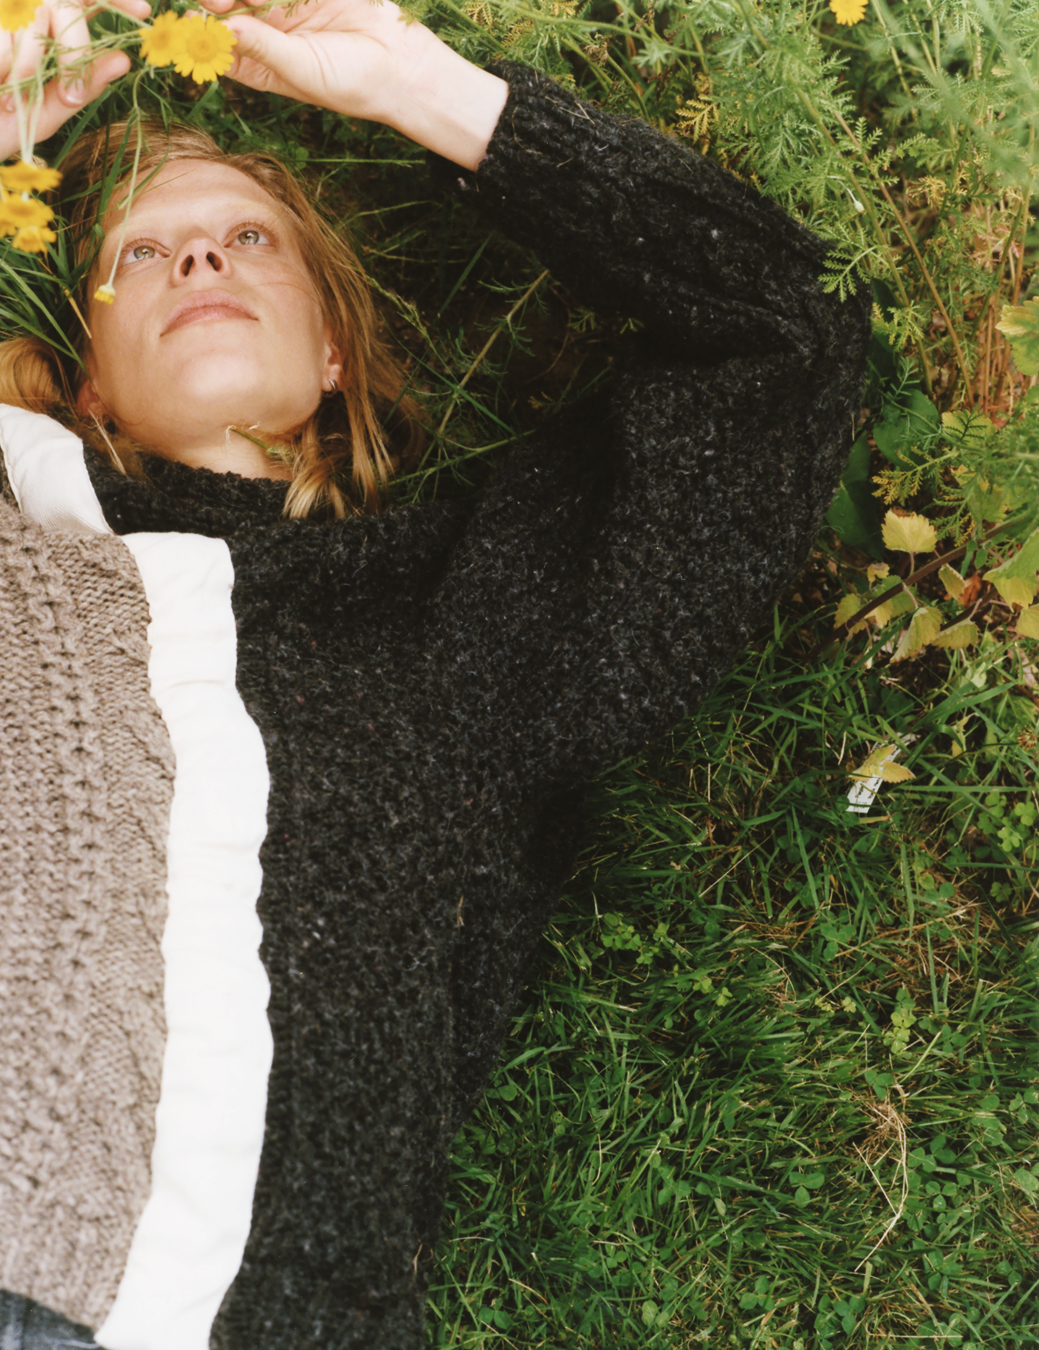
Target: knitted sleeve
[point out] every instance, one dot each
(629, 550)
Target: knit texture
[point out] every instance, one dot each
(434, 684)
(85, 781)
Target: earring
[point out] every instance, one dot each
(331, 386)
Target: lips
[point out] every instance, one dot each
(205, 305)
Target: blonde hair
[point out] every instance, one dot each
(369, 426)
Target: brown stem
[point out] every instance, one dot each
(919, 574)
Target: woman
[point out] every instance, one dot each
(392, 712)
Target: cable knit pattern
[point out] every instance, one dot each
(85, 782)
(434, 684)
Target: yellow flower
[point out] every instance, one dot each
(105, 293)
(161, 43)
(15, 14)
(849, 11)
(22, 177)
(23, 213)
(33, 239)
(205, 48)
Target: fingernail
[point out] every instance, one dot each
(75, 92)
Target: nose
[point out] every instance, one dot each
(200, 255)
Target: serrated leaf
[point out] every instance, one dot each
(1028, 623)
(900, 603)
(1021, 325)
(875, 571)
(909, 534)
(1014, 590)
(849, 605)
(896, 773)
(957, 635)
(951, 580)
(922, 628)
(1015, 579)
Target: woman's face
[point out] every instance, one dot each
(216, 321)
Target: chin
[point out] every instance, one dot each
(223, 393)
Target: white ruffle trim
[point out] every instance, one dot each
(48, 474)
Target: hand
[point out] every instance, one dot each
(66, 22)
(363, 59)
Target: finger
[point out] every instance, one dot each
(136, 9)
(6, 61)
(29, 49)
(262, 52)
(57, 107)
(54, 107)
(73, 38)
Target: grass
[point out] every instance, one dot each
(776, 1080)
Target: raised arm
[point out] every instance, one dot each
(367, 60)
(626, 554)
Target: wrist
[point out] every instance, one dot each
(443, 102)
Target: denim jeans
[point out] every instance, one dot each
(28, 1326)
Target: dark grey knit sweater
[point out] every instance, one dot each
(434, 684)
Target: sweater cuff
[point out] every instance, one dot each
(538, 119)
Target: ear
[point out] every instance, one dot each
(88, 401)
(332, 371)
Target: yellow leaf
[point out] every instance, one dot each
(896, 773)
(957, 635)
(909, 534)
(875, 571)
(922, 629)
(1014, 590)
(850, 604)
(951, 580)
(879, 763)
(1028, 623)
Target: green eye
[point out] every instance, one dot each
(141, 252)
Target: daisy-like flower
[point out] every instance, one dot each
(161, 43)
(849, 11)
(205, 48)
(33, 238)
(105, 293)
(23, 213)
(22, 177)
(15, 14)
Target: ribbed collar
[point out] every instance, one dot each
(176, 497)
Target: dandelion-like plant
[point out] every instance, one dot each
(195, 44)
(848, 12)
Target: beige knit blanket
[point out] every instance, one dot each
(86, 779)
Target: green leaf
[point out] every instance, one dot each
(1021, 325)
(1028, 622)
(853, 513)
(902, 427)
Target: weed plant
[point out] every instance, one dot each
(775, 1082)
